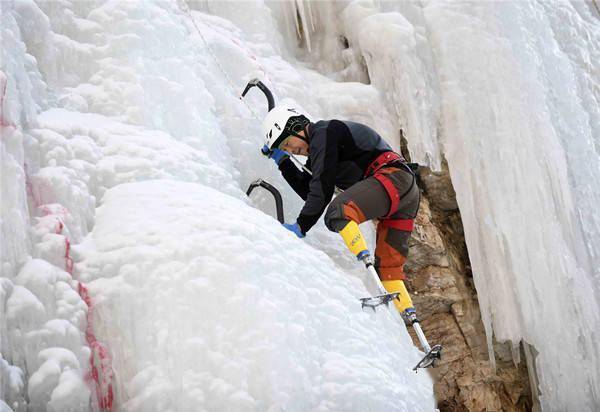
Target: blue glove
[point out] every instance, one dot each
(293, 227)
(276, 154)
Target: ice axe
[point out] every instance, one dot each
(270, 105)
(257, 83)
(273, 190)
(356, 244)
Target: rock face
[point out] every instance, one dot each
(440, 279)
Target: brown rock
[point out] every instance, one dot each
(439, 187)
(426, 245)
(439, 278)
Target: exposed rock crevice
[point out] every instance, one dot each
(440, 278)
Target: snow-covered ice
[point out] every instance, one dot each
(132, 154)
(509, 93)
(126, 153)
(210, 304)
(526, 169)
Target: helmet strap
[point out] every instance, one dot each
(305, 130)
(292, 133)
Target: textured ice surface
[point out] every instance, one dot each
(118, 104)
(520, 107)
(348, 44)
(99, 94)
(211, 304)
(517, 87)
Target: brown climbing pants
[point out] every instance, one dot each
(369, 199)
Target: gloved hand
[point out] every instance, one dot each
(277, 155)
(294, 227)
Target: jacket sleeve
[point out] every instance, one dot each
(324, 157)
(297, 179)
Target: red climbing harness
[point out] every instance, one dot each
(406, 225)
(382, 160)
(376, 169)
(391, 191)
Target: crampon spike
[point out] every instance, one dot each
(374, 301)
(429, 359)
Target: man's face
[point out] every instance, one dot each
(295, 145)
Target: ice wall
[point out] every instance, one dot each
(208, 304)
(520, 109)
(517, 85)
(131, 153)
(42, 319)
(383, 45)
(98, 94)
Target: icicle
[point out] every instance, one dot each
(286, 11)
(295, 12)
(534, 382)
(304, 21)
(310, 15)
(489, 334)
(516, 353)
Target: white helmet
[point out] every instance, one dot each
(282, 121)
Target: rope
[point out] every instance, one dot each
(183, 6)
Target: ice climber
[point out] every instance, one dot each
(376, 182)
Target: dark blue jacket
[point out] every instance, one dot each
(339, 154)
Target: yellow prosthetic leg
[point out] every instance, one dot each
(354, 239)
(355, 242)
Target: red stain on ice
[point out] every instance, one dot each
(101, 372)
(100, 360)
